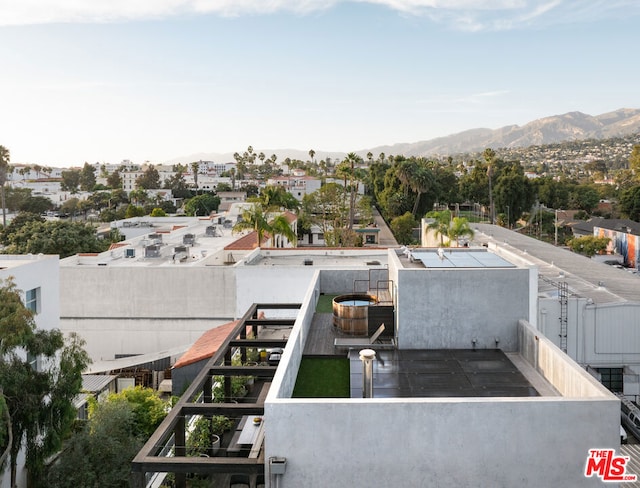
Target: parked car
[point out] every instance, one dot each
(630, 416)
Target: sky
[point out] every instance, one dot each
(153, 80)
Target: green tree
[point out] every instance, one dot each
(440, 225)
(59, 237)
(584, 197)
(634, 160)
(39, 399)
(195, 167)
(275, 197)
(630, 202)
(16, 224)
(459, 228)
(149, 179)
(100, 455)
(158, 212)
(327, 208)
(402, 228)
(87, 177)
(178, 186)
(4, 170)
(254, 219)
(202, 204)
(37, 205)
(16, 197)
(279, 225)
(70, 180)
(114, 180)
(513, 192)
(588, 245)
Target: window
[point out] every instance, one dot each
(32, 300)
(612, 378)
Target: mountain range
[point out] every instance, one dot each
(547, 130)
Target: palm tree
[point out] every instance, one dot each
(195, 166)
(280, 226)
(441, 224)
(254, 219)
(420, 180)
(4, 170)
(312, 153)
(459, 228)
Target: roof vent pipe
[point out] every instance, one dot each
(367, 356)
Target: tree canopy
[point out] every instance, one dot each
(52, 237)
(38, 393)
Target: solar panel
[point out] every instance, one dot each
(461, 259)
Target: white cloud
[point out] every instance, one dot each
(470, 15)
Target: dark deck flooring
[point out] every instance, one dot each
(321, 336)
(441, 373)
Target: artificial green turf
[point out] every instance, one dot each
(325, 304)
(323, 378)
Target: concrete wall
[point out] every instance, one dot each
(135, 310)
(438, 442)
(448, 308)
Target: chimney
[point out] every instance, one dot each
(367, 356)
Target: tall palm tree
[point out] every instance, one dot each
(459, 228)
(312, 153)
(195, 166)
(420, 181)
(4, 170)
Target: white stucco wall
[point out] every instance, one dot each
(132, 310)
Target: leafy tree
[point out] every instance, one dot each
(634, 160)
(70, 180)
(133, 211)
(158, 212)
(149, 179)
(588, 245)
(630, 202)
(327, 208)
(37, 205)
(39, 400)
(148, 408)
(202, 204)
(4, 170)
(59, 237)
(514, 191)
(275, 197)
(87, 177)
(15, 197)
(16, 224)
(222, 186)
(178, 186)
(584, 197)
(402, 228)
(114, 180)
(100, 455)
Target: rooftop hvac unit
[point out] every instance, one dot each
(308, 262)
(179, 249)
(152, 251)
(189, 239)
(130, 253)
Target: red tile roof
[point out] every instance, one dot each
(207, 345)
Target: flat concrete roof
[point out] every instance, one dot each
(441, 374)
(584, 277)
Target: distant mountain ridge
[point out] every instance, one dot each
(547, 130)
